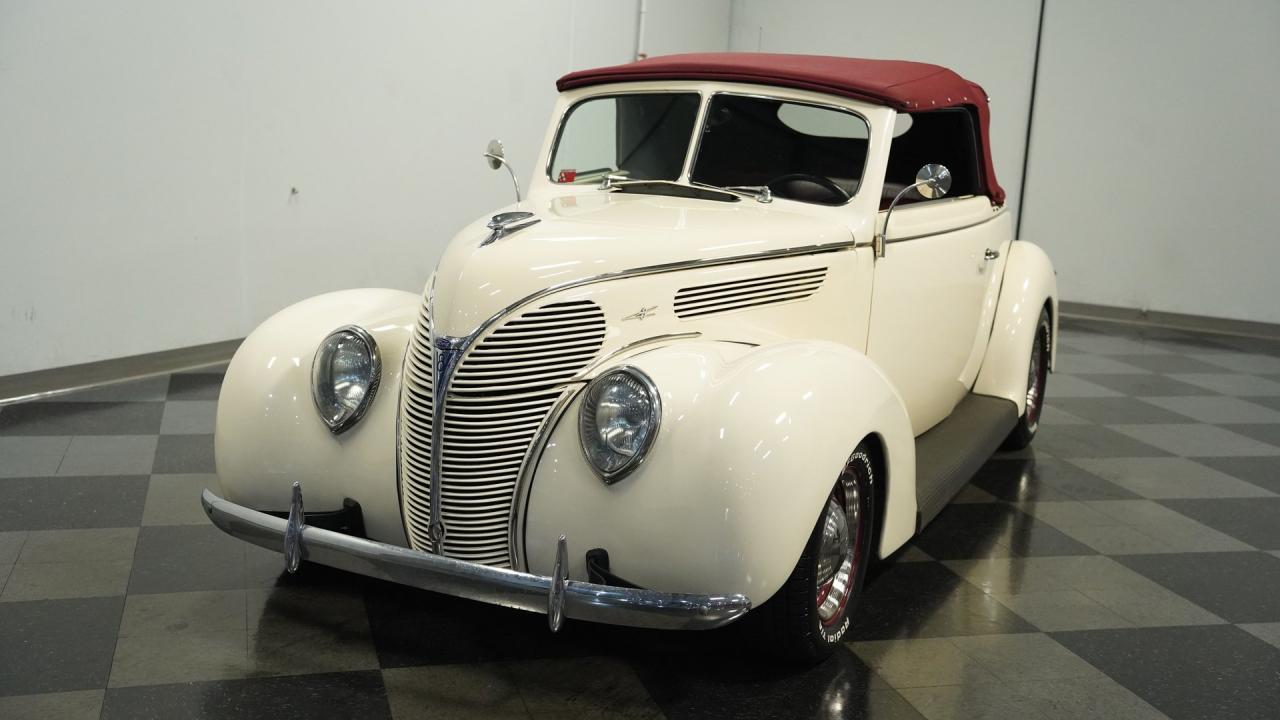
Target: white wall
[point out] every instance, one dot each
(1153, 149)
(150, 149)
(991, 42)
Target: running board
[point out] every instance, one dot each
(950, 453)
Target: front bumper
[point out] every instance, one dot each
(554, 595)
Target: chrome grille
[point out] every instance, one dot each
(748, 292)
(499, 396)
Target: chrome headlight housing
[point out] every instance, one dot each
(618, 421)
(344, 376)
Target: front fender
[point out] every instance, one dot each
(268, 433)
(751, 442)
(1029, 282)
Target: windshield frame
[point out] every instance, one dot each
(706, 105)
(685, 167)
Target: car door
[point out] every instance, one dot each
(935, 289)
(932, 303)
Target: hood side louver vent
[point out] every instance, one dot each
(748, 292)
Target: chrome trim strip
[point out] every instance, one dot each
(1001, 210)
(633, 607)
(588, 370)
(375, 379)
(664, 268)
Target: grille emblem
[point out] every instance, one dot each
(643, 313)
(448, 349)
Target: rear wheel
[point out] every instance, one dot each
(1037, 376)
(810, 615)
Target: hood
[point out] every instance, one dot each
(587, 235)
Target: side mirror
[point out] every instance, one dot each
(494, 154)
(932, 182)
(496, 157)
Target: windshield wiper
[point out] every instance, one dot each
(760, 193)
(674, 189)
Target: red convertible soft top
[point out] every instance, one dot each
(902, 85)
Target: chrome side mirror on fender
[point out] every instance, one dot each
(932, 181)
(496, 157)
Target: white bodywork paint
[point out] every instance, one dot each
(761, 406)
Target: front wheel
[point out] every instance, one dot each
(1037, 376)
(810, 615)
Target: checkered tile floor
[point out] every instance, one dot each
(1127, 566)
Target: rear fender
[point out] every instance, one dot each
(1029, 282)
(751, 442)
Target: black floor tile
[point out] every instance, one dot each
(1255, 521)
(925, 599)
(58, 503)
(978, 530)
(82, 418)
(686, 686)
(189, 557)
(416, 627)
(1240, 587)
(1261, 471)
(1272, 402)
(1092, 441)
(328, 695)
(1171, 363)
(1148, 385)
(184, 454)
(1217, 671)
(1116, 410)
(194, 386)
(57, 645)
(1045, 479)
(1262, 432)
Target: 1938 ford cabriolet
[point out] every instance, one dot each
(759, 318)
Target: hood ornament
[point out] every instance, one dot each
(503, 224)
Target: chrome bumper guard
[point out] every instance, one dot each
(556, 596)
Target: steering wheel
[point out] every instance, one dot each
(835, 192)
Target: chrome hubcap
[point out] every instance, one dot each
(837, 552)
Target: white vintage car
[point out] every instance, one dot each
(757, 321)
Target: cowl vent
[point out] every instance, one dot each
(749, 292)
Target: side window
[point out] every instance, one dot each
(937, 136)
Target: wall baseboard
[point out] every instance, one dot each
(1177, 321)
(58, 381)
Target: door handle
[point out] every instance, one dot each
(990, 254)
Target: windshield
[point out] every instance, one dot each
(801, 152)
(641, 136)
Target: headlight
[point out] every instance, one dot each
(344, 376)
(618, 421)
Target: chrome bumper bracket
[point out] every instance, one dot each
(559, 574)
(293, 531)
(556, 595)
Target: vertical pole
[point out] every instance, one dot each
(1031, 111)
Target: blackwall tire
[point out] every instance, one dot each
(810, 615)
(1037, 378)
